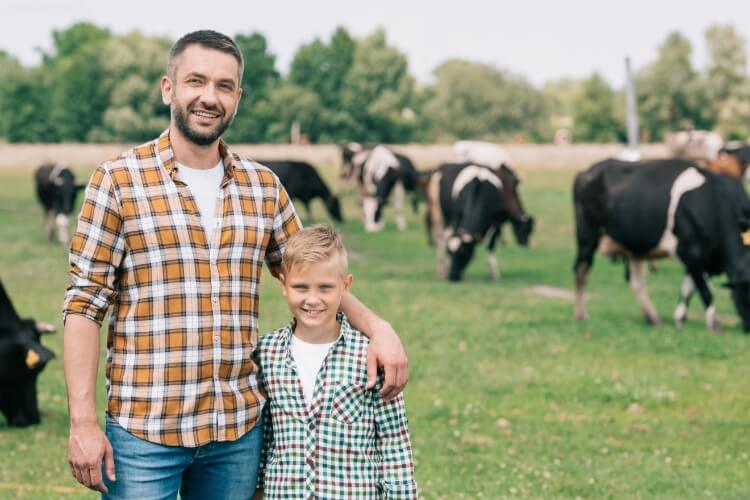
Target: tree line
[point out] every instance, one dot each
(97, 86)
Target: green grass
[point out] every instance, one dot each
(508, 396)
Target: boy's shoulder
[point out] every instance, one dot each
(275, 340)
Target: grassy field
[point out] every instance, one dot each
(508, 396)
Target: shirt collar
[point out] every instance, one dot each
(166, 155)
(345, 331)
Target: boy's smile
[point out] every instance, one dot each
(313, 292)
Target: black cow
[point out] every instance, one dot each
(302, 182)
(22, 358)
(57, 191)
(467, 204)
(651, 209)
(380, 172)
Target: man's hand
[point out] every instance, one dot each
(387, 351)
(88, 447)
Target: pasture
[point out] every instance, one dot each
(508, 396)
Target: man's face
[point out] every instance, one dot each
(203, 93)
(314, 291)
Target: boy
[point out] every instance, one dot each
(326, 436)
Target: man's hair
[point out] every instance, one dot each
(205, 38)
(313, 245)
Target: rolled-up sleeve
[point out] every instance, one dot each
(96, 250)
(285, 224)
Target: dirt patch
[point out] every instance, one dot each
(551, 292)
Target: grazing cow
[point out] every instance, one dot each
(733, 160)
(57, 191)
(380, 172)
(468, 203)
(660, 208)
(302, 182)
(22, 358)
(701, 145)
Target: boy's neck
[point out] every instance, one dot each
(325, 334)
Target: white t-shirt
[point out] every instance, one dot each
(203, 184)
(308, 358)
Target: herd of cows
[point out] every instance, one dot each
(692, 207)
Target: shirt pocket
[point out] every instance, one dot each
(348, 401)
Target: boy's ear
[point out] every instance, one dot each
(282, 282)
(348, 282)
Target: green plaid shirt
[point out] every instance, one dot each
(348, 443)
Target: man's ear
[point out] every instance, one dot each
(166, 90)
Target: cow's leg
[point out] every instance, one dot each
(307, 209)
(686, 293)
(638, 285)
(491, 257)
(398, 205)
(434, 217)
(49, 221)
(701, 283)
(441, 246)
(369, 206)
(587, 241)
(63, 234)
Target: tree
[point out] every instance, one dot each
(671, 94)
(133, 65)
(254, 116)
(728, 82)
(77, 98)
(377, 92)
(476, 101)
(12, 72)
(594, 117)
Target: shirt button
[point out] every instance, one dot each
(216, 338)
(215, 299)
(311, 426)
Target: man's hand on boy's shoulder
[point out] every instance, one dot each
(387, 351)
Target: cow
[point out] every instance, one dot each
(468, 203)
(57, 191)
(380, 172)
(302, 182)
(661, 208)
(22, 358)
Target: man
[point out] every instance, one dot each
(172, 236)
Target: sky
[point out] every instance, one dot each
(540, 40)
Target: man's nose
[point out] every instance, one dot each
(209, 96)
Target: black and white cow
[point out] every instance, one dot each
(22, 358)
(302, 182)
(660, 208)
(468, 203)
(57, 191)
(380, 172)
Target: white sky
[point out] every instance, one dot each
(541, 40)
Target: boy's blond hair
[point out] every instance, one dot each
(313, 245)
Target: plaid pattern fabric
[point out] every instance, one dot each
(348, 444)
(184, 319)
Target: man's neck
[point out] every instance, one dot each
(323, 335)
(191, 154)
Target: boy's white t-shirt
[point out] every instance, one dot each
(203, 184)
(308, 358)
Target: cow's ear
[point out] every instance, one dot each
(36, 356)
(745, 230)
(80, 187)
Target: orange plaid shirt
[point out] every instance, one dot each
(184, 319)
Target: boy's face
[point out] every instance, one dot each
(314, 291)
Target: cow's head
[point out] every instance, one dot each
(67, 190)
(22, 358)
(333, 205)
(523, 223)
(480, 205)
(347, 158)
(739, 280)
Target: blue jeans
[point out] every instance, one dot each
(221, 470)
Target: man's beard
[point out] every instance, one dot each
(192, 135)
